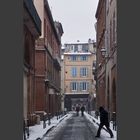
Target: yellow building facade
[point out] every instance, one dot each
(79, 84)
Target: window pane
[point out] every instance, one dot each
(84, 58)
(74, 86)
(74, 72)
(73, 58)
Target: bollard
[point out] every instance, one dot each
(44, 122)
(57, 115)
(114, 120)
(27, 129)
(24, 129)
(49, 120)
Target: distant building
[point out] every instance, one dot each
(32, 30)
(78, 77)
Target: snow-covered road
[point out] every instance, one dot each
(74, 128)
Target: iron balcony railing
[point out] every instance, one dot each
(33, 13)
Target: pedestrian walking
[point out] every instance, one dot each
(77, 110)
(104, 121)
(82, 110)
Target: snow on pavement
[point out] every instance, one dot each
(37, 131)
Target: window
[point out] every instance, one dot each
(79, 48)
(72, 48)
(76, 49)
(74, 72)
(83, 58)
(85, 48)
(74, 86)
(84, 71)
(73, 58)
(84, 86)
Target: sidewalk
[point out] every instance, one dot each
(96, 122)
(37, 132)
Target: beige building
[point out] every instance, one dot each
(78, 59)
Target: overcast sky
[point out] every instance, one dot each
(77, 18)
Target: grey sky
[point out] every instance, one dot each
(77, 18)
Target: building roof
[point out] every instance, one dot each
(51, 19)
(98, 8)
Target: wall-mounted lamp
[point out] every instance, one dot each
(46, 81)
(104, 53)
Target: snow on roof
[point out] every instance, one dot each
(77, 93)
(78, 53)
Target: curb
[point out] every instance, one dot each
(51, 128)
(63, 118)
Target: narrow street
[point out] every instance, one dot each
(74, 128)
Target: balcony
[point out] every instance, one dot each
(49, 48)
(57, 61)
(32, 14)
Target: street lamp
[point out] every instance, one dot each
(105, 54)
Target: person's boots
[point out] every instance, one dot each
(111, 136)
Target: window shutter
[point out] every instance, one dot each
(80, 88)
(72, 72)
(77, 86)
(70, 86)
(75, 72)
(87, 73)
(88, 86)
(80, 72)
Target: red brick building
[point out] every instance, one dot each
(107, 54)
(32, 30)
(101, 24)
(47, 62)
(111, 58)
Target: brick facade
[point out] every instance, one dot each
(30, 35)
(47, 61)
(100, 15)
(107, 64)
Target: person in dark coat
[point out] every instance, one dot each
(82, 110)
(77, 110)
(104, 121)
